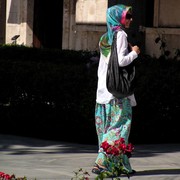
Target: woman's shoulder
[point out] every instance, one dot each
(121, 33)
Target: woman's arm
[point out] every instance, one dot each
(125, 57)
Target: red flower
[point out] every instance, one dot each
(5, 176)
(105, 145)
(118, 148)
(108, 150)
(115, 151)
(129, 149)
(1, 174)
(120, 141)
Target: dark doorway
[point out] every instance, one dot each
(143, 13)
(2, 21)
(48, 20)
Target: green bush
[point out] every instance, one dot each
(51, 94)
(155, 117)
(47, 93)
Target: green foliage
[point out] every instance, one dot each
(158, 84)
(47, 88)
(80, 175)
(39, 87)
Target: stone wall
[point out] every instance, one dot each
(166, 26)
(83, 28)
(90, 12)
(84, 23)
(19, 21)
(170, 36)
(166, 13)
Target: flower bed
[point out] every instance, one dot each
(4, 176)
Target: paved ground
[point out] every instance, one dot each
(48, 160)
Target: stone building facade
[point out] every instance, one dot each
(78, 24)
(166, 25)
(84, 21)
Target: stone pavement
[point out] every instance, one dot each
(53, 160)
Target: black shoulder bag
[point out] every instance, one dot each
(119, 80)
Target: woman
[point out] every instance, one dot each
(113, 116)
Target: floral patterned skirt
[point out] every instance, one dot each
(113, 121)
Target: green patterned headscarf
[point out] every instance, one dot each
(115, 18)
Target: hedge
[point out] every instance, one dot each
(50, 94)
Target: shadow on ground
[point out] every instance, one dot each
(158, 172)
(23, 145)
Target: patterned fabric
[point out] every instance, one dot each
(115, 17)
(113, 121)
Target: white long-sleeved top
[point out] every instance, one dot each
(124, 58)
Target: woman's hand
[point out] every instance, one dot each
(136, 49)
